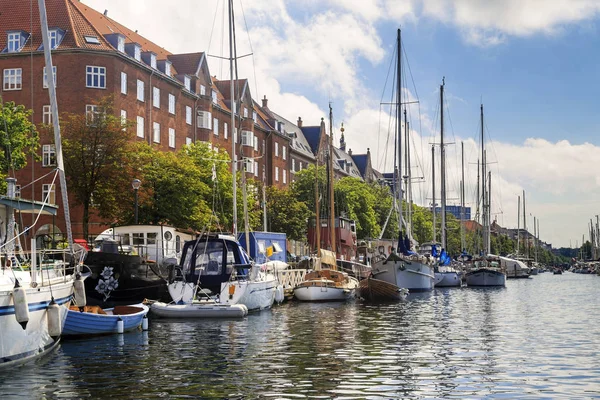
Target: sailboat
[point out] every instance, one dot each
(216, 277)
(403, 267)
(326, 284)
(445, 274)
(486, 269)
(34, 303)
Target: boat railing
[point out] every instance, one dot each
(44, 265)
(290, 278)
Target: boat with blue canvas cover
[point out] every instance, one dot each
(87, 321)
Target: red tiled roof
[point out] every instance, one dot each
(186, 63)
(105, 25)
(25, 16)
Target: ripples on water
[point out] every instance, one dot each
(536, 338)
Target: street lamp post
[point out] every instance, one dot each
(136, 183)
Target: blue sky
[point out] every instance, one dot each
(533, 63)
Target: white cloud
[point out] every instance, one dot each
(315, 54)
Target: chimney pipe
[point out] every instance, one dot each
(299, 122)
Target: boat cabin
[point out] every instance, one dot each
(212, 259)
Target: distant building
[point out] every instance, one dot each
(455, 210)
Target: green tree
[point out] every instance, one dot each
(357, 200)
(18, 137)
(96, 150)
(286, 213)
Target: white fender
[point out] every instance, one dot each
(279, 296)
(79, 292)
(120, 326)
(21, 306)
(54, 320)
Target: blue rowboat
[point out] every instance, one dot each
(98, 321)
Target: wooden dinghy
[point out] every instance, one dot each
(372, 289)
(93, 320)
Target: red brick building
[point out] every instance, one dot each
(171, 98)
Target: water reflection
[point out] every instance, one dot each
(533, 339)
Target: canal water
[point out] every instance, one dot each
(536, 338)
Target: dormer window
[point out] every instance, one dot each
(187, 82)
(121, 44)
(14, 42)
(168, 68)
(149, 58)
(215, 98)
(55, 36)
(137, 53)
(153, 60)
(254, 116)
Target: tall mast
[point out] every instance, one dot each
(234, 109)
(317, 211)
(484, 212)
(331, 191)
(408, 175)
(479, 219)
(443, 166)
(55, 122)
(463, 241)
(433, 188)
(518, 223)
(488, 245)
(535, 238)
(525, 234)
(399, 125)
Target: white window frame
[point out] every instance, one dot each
(248, 165)
(204, 119)
(284, 176)
(13, 79)
(235, 135)
(171, 104)
(254, 116)
(48, 155)
(53, 38)
(276, 149)
(276, 174)
(155, 97)
(47, 115)
(45, 79)
(49, 191)
(187, 83)
(225, 128)
(123, 82)
(140, 90)
(202, 90)
(215, 127)
(172, 138)
(156, 132)
(247, 138)
(97, 75)
(153, 60)
(256, 168)
(255, 143)
(140, 126)
(283, 152)
(137, 52)
(167, 68)
(293, 165)
(188, 140)
(121, 44)
(13, 43)
(93, 113)
(124, 119)
(188, 115)
(245, 112)
(215, 97)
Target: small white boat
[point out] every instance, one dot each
(326, 285)
(199, 309)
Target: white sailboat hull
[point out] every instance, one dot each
(411, 275)
(255, 295)
(18, 345)
(485, 277)
(447, 279)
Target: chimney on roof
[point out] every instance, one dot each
(299, 122)
(350, 152)
(105, 13)
(265, 101)
(368, 151)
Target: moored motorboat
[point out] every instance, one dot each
(446, 276)
(486, 271)
(93, 320)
